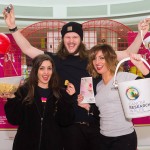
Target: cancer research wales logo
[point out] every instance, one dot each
(132, 93)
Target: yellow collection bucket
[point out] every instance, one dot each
(134, 95)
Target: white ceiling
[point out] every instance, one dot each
(46, 3)
(128, 12)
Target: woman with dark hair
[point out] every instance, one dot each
(116, 131)
(38, 108)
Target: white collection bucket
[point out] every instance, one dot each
(135, 94)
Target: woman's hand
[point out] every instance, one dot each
(7, 95)
(83, 105)
(70, 89)
(144, 26)
(9, 17)
(136, 60)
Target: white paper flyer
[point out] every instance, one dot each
(86, 89)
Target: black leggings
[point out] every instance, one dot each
(125, 142)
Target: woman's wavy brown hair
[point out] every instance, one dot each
(109, 55)
(32, 81)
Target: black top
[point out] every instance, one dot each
(73, 68)
(39, 129)
(44, 95)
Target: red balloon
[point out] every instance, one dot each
(4, 43)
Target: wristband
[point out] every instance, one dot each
(13, 30)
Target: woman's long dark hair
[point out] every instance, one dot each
(63, 52)
(32, 81)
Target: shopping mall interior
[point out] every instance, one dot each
(110, 21)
